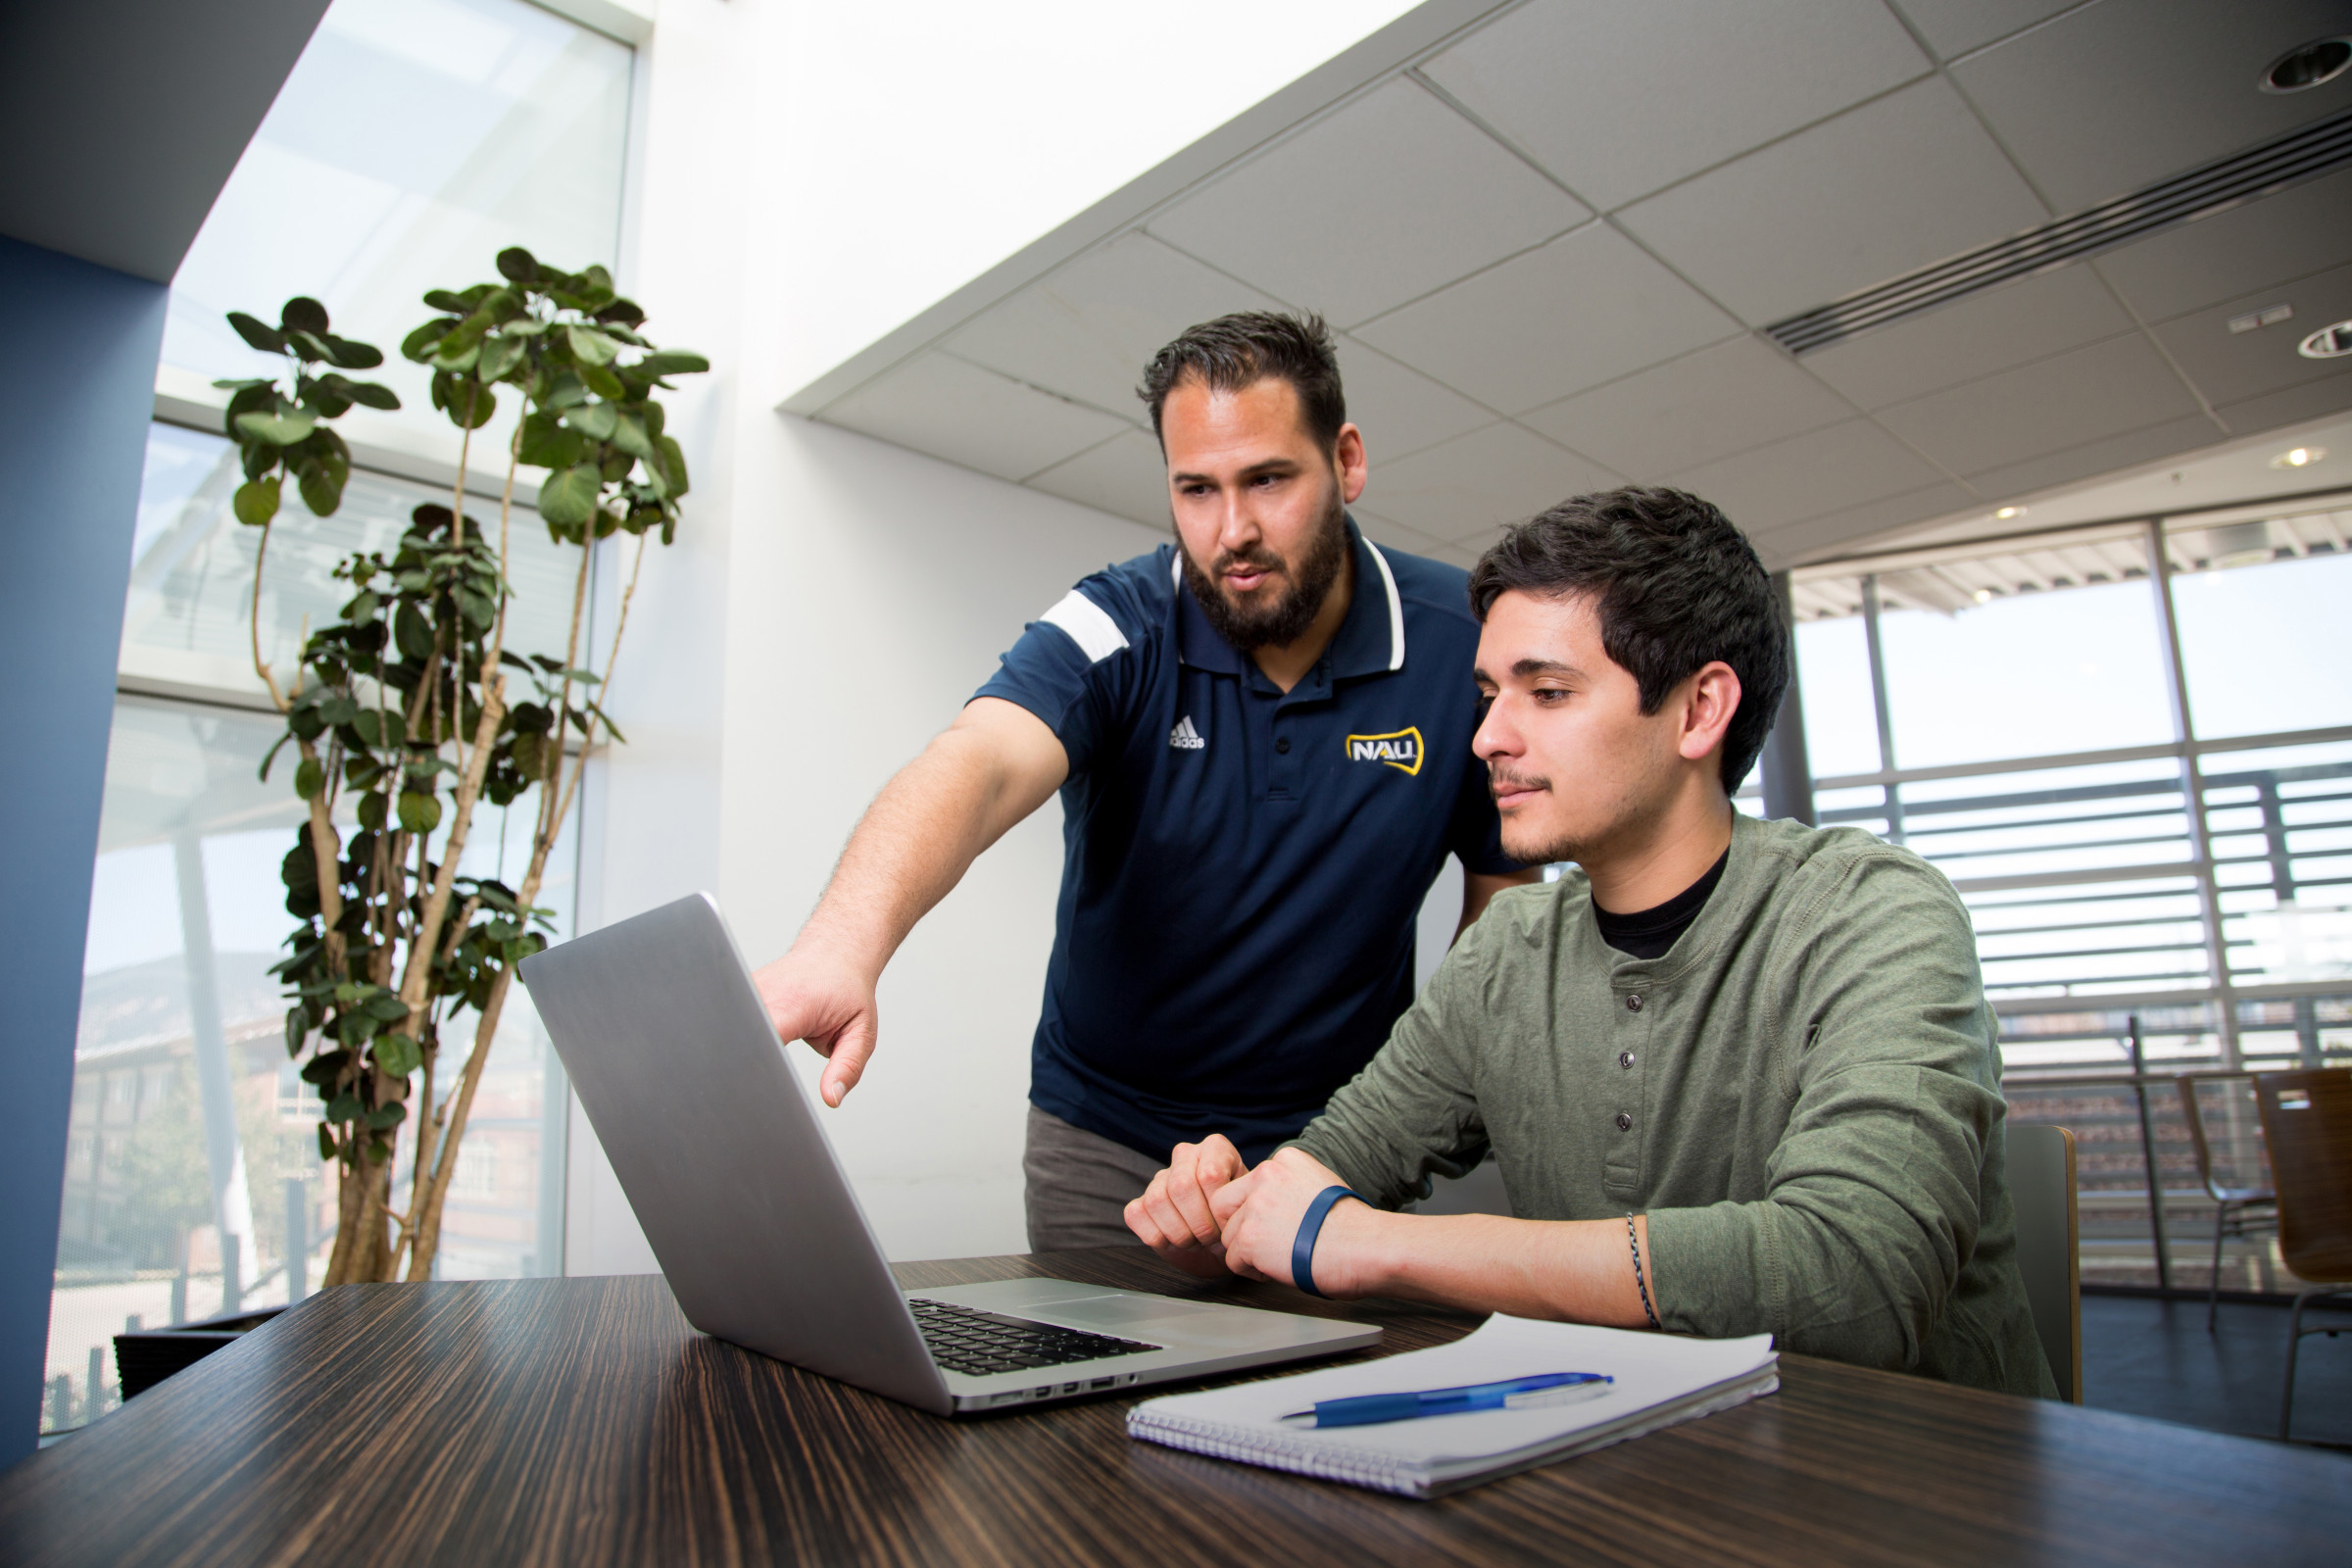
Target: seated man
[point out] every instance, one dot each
(1738, 1076)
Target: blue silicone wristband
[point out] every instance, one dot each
(1310, 1226)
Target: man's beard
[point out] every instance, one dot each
(1286, 619)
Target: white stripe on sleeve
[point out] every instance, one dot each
(1096, 635)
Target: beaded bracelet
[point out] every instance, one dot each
(1634, 1240)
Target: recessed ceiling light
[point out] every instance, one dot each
(2298, 457)
(2307, 66)
(1984, 596)
(2006, 512)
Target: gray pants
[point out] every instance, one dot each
(1079, 1183)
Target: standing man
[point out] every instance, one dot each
(1261, 736)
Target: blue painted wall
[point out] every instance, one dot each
(74, 404)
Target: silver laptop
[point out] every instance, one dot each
(716, 1142)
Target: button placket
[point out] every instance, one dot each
(1623, 1101)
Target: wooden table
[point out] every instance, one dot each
(574, 1422)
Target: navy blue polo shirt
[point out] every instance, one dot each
(1245, 866)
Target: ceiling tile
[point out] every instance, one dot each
(2289, 236)
(1088, 330)
(1467, 487)
(2115, 96)
(1585, 309)
(1895, 185)
(1815, 535)
(1125, 476)
(2015, 324)
(1952, 27)
(2232, 366)
(2094, 459)
(1808, 476)
(2276, 410)
(1398, 409)
(1390, 198)
(1412, 541)
(2063, 401)
(1693, 410)
(1620, 100)
(938, 404)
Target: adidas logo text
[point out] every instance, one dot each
(1184, 737)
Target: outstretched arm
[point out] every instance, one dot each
(991, 767)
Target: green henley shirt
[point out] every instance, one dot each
(1803, 1095)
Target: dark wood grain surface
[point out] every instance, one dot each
(582, 1422)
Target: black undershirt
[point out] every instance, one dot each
(1648, 933)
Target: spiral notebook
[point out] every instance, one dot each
(1660, 1380)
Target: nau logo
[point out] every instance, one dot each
(1400, 749)
(1184, 737)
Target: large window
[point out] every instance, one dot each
(414, 140)
(2140, 783)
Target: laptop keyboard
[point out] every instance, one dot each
(965, 1340)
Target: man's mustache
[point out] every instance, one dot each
(1500, 779)
(1257, 555)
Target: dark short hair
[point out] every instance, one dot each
(1676, 587)
(1240, 351)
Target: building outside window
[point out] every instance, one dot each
(414, 140)
(2143, 788)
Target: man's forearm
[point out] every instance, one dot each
(1576, 1271)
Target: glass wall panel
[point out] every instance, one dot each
(2025, 673)
(2264, 644)
(192, 1156)
(414, 140)
(187, 620)
(1832, 664)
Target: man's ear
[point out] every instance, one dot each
(1709, 699)
(1347, 458)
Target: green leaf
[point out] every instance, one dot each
(372, 394)
(547, 444)
(326, 1143)
(672, 362)
(302, 314)
(310, 778)
(595, 420)
(266, 338)
(441, 299)
(500, 355)
(343, 1107)
(282, 429)
(519, 264)
(322, 490)
(628, 434)
(256, 501)
(372, 812)
(386, 1006)
(389, 1114)
(569, 497)
(353, 356)
(673, 468)
(419, 813)
(419, 345)
(589, 346)
(601, 380)
(484, 408)
(398, 1055)
(309, 346)
(412, 632)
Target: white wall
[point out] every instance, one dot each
(808, 176)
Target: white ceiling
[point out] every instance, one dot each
(1550, 233)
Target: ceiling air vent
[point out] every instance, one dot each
(2274, 166)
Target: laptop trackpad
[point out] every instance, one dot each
(1146, 1316)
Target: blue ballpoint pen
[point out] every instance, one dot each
(1516, 1394)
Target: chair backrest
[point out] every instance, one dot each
(2307, 1122)
(2049, 1245)
(2190, 1114)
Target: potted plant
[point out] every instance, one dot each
(411, 709)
